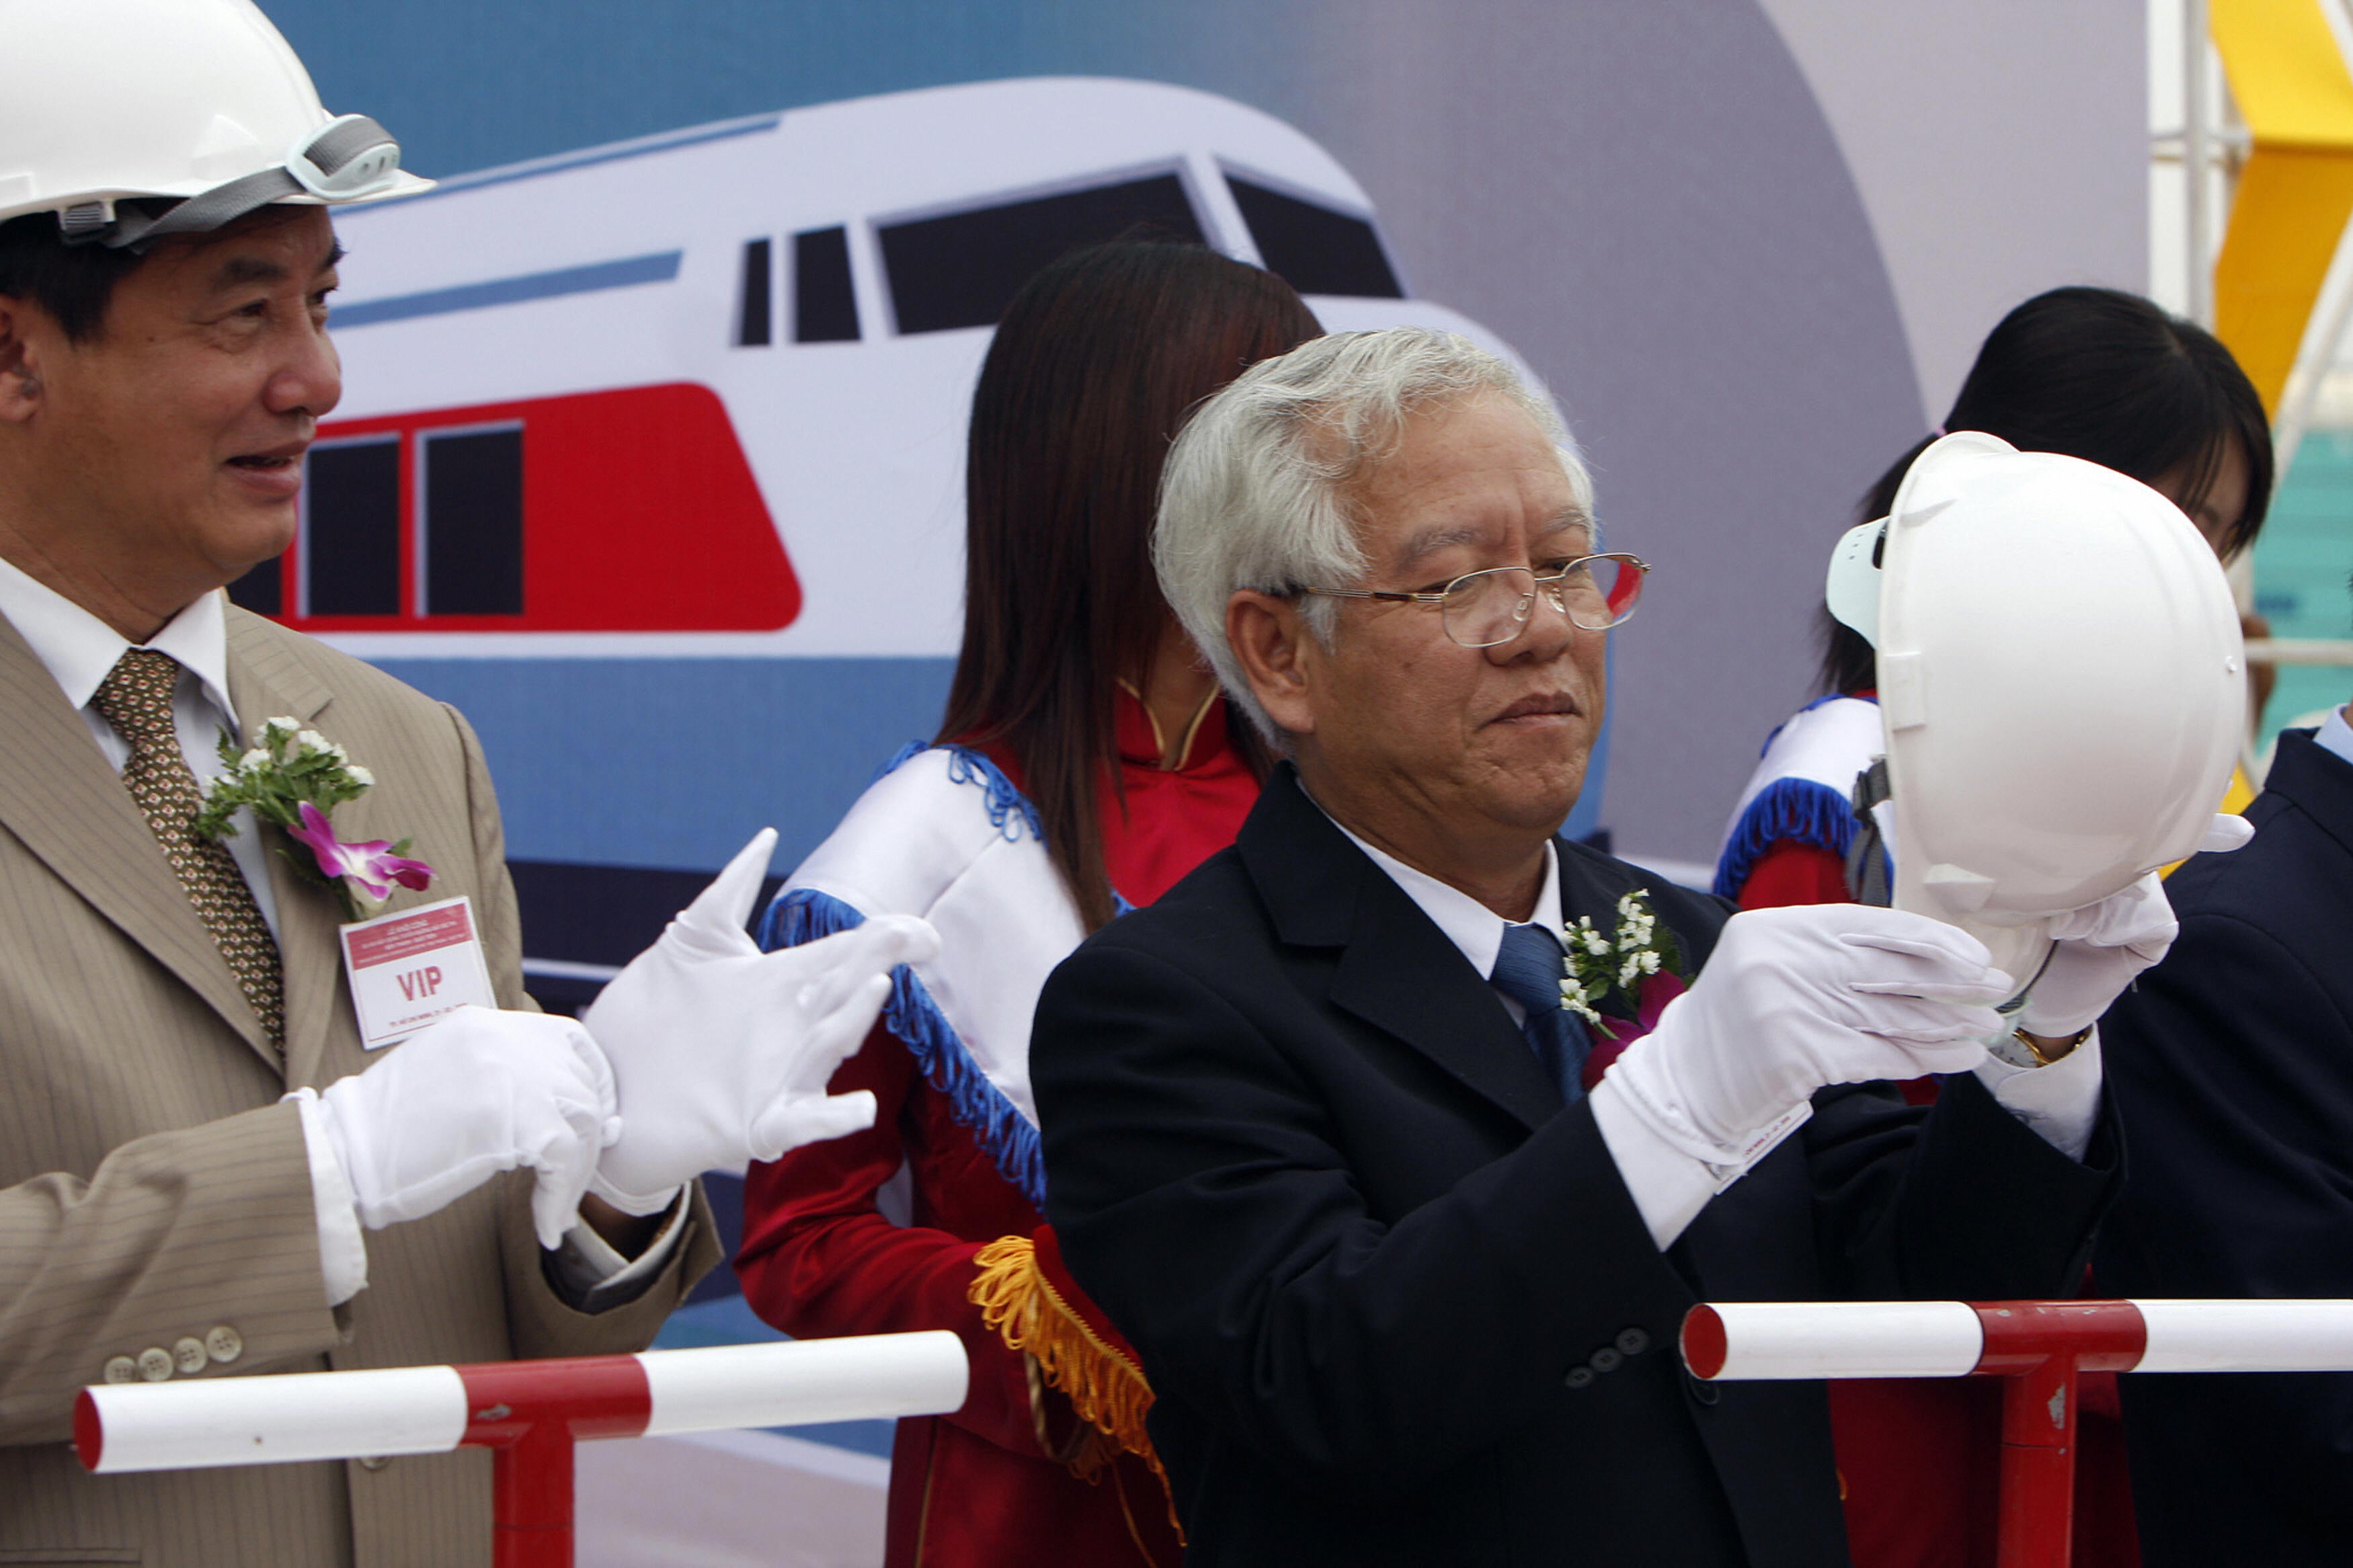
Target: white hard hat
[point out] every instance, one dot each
(200, 100)
(2061, 679)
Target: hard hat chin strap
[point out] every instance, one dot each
(1866, 855)
(352, 157)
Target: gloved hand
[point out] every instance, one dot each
(473, 1094)
(722, 1052)
(2102, 947)
(1793, 999)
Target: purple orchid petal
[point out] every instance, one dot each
(369, 865)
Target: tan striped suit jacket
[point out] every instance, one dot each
(153, 1189)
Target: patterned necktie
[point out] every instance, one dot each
(135, 698)
(1528, 970)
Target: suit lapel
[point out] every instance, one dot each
(61, 800)
(264, 683)
(1396, 970)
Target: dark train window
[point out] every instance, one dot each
(351, 529)
(825, 306)
(963, 270)
(1314, 248)
(263, 589)
(472, 522)
(752, 330)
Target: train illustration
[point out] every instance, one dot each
(705, 393)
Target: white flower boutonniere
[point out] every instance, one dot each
(294, 778)
(1597, 965)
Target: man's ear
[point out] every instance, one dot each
(20, 379)
(1271, 638)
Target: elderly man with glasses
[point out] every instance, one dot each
(1378, 1137)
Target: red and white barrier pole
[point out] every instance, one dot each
(527, 1413)
(2038, 1347)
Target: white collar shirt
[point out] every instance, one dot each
(1473, 928)
(2336, 735)
(79, 650)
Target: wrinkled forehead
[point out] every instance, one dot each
(1476, 474)
(1568, 532)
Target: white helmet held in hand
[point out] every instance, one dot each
(2060, 677)
(199, 101)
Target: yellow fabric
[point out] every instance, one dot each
(2239, 795)
(1103, 1386)
(2295, 191)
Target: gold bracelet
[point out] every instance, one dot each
(2043, 1059)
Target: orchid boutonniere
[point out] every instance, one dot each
(293, 778)
(1630, 963)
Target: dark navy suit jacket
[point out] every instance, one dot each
(2232, 1068)
(1396, 1303)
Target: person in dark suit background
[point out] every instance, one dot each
(2233, 1081)
(1321, 1137)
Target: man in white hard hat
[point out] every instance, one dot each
(217, 1156)
(1327, 1128)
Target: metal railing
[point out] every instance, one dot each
(2037, 1348)
(529, 1413)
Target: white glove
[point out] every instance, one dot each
(722, 1052)
(474, 1094)
(1793, 999)
(2102, 949)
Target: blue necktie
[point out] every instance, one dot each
(1528, 970)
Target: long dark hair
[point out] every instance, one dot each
(1094, 368)
(2109, 377)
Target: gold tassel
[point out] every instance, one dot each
(1102, 1384)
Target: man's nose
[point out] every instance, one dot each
(308, 379)
(1545, 635)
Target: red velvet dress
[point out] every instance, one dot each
(1919, 1459)
(979, 1489)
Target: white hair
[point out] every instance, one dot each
(1257, 490)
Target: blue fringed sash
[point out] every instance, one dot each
(802, 915)
(1791, 808)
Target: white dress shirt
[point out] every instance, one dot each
(2336, 735)
(79, 650)
(2060, 1102)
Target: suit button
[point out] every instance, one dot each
(154, 1364)
(1606, 1360)
(224, 1344)
(122, 1369)
(1632, 1342)
(374, 1462)
(1579, 1377)
(189, 1354)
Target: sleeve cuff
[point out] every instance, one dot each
(2060, 1103)
(594, 1277)
(1668, 1185)
(342, 1249)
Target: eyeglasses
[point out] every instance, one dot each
(1481, 609)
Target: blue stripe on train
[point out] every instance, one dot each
(674, 763)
